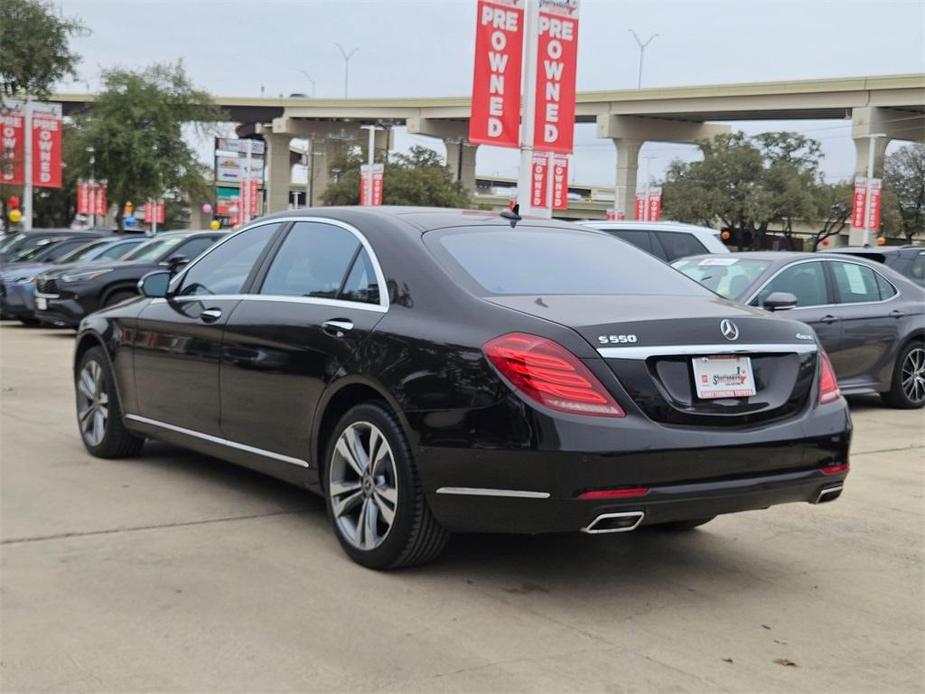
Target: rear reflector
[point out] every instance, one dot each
(629, 493)
(828, 384)
(548, 373)
(835, 469)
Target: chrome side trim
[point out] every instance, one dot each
(686, 350)
(638, 515)
(478, 491)
(216, 439)
(383, 305)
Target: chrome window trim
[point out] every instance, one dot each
(382, 306)
(281, 298)
(770, 279)
(216, 439)
(686, 350)
(479, 491)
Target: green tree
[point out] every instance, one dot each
(747, 184)
(419, 178)
(833, 203)
(903, 202)
(35, 49)
(135, 128)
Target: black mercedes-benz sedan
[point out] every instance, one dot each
(431, 371)
(869, 319)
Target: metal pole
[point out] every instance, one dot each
(245, 182)
(27, 167)
(154, 206)
(93, 194)
(309, 172)
(870, 176)
(525, 174)
(347, 56)
(371, 157)
(642, 52)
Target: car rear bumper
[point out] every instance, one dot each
(536, 491)
(16, 301)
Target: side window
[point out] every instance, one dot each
(886, 289)
(117, 251)
(855, 283)
(917, 269)
(225, 270)
(193, 248)
(361, 284)
(640, 239)
(679, 245)
(311, 261)
(806, 281)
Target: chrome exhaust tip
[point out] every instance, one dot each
(614, 523)
(829, 494)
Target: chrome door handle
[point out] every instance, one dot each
(337, 326)
(829, 319)
(210, 315)
(896, 314)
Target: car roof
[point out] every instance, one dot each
(872, 250)
(630, 225)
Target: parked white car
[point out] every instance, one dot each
(665, 240)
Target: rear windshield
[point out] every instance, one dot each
(728, 277)
(552, 261)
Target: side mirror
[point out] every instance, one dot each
(779, 301)
(175, 263)
(154, 285)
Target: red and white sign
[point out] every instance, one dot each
(499, 38)
(615, 216)
(83, 197)
(539, 168)
(252, 196)
(46, 145)
(12, 144)
(873, 219)
(378, 172)
(649, 205)
(556, 68)
(154, 211)
(102, 206)
(560, 182)
(860, 203)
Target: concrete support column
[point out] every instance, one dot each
(279, 171)
(321, 160)
(627, 167)
(460, 160)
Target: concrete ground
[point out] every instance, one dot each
(174, 572)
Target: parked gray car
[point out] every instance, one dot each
(870, 319)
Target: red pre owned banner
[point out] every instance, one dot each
(860, 202)
(102, 206)
(538, 180)
(499, 37)
(615, 215)
(46, 145)
(252, 196)
(556, 66)
(873, 220)
(640, 213)
(12, 145)
(560, 183)
(83, 197)
(378, 171)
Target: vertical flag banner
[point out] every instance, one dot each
(499, 37)
(159, 211)
(640, 213)
(252, 195)
(538, 179)
(83, 197)
(377, 173)
(147, 212)
(873, 220)
(556, 68)
(654, 204)
(12, 143)
(46, 145)
(102, 206)
(860, 202)
(560, 183)
(615, 216)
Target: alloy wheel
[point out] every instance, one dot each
(363, 485)
(93, 403)
(913, 375)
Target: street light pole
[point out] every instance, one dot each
(347, 56)
(642, 52)
(870, 180)
(310, 80)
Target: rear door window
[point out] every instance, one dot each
(679, 245)
(855, 283)
(312, 261)
(640, 239)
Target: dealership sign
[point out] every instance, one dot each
(649, 205)
(556, 67)
(378, 171)
(499, 38)
(46, 143)
(860, 208)
(549, 190)
(91, 198)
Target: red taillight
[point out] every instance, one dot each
(835, 469)
(548, 373)
(626, 493)
(828, 384)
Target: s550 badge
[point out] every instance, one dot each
(616, 339)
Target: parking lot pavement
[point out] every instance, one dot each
(175, 572)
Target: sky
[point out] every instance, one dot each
(425, 48)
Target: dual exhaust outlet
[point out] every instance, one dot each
(627, 521)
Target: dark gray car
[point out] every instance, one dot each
(870, 319)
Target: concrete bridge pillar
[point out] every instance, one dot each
(460, 154)
(630, 133)
(279, 171)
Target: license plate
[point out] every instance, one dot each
(41, 303)
(724, 377)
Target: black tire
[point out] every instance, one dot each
(119, 296)
(115, 440)
(414, 536)
(910, 364)
(682, 526)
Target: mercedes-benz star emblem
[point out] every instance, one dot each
(729, 330)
